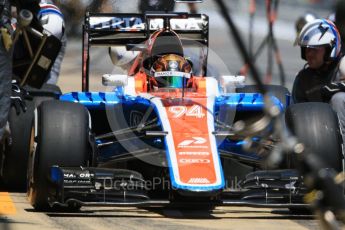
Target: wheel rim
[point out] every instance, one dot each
(30, 173)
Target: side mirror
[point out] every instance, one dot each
(121, 57)
(114, 80)
(229, 82)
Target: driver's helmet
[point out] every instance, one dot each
(171, 71)
(321, 32)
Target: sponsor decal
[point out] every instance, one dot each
(173, 64)
(187, 24)
(138, 24)
(81, 175)
(85, 175)
(172, 74)
(194, 24)
(194, 161)
(116, 23)
(193, 153)
(198, 181)
(69, 175)
(194, 141)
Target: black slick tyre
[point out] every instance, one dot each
(62, 138)
(16, 154)
(316, 125)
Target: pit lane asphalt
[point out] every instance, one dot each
(132, 218)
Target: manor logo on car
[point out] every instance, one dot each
(81, 175)
(69, 175)
(86, 175)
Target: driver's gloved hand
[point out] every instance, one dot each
(330, 89)
(18, 97)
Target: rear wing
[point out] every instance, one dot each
(109, 29)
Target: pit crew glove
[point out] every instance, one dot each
(6, 38)
(18, 97)
(330, 89)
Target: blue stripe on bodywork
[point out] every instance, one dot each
(94, 99)
(240, 101)
(245, 101)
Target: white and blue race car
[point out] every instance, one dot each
(142, 144)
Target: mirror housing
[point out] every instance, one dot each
(122, 57)
(115, 80)
(232, 81)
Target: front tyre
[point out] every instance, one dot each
(61, 131)
(316, 125)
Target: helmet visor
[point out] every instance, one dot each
(171, 79)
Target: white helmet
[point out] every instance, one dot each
(320, 32)
(51, 19)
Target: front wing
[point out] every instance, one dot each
(113, 187)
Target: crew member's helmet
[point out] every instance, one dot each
(171, 71)
(318, 33)
(52, 19)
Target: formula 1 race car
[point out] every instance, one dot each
(166, 134)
